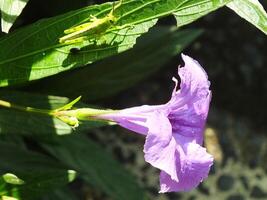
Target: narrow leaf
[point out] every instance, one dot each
(37, 173)
(34, 52)
(12, 179)
(10, 10)
(95, 166)
(60, 194)
(70, 104)
(8, 198)
(252, 11)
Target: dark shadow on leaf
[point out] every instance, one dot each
(27, 124)
(119, 72)
(96, 166)
(37, 172)
(40, 172)
(32, 50)
(87, 54)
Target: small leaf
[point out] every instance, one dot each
(95, 166)
(10, 10)
(12, 179)
(8, 198)
(69, 105)
(252, 11)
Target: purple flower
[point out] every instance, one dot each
(174, 131)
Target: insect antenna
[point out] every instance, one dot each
(114, 7)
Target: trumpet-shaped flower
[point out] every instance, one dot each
(174, 131)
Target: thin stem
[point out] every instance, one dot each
(7, 104)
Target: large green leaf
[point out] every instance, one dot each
(60, 194)
(252, 11)
(95, 166)
(192, 11)
(33, 52)
(27, 175)
(10, 10)
(121, 71)
(18, 122)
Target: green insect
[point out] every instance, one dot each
(95, 27)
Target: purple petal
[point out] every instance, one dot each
(160, 146)
(193, 76)
(189, 106)
(194, 84)
(134, 126)
(174, 131)
(194, 163)
(134, 118)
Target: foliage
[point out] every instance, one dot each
(10, 10)
(40, 156)
(252, 11)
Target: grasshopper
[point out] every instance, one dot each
(94, 27)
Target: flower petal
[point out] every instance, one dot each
(186, 121)
(194, 163)
(194, 84)
(193, 76)
(134, 119)
(160, 146)
(189, 106)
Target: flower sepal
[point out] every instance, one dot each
(71, 115)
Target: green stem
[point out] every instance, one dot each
(70, 117)
(7, 104)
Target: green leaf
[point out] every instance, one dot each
(10, 10)
(70, 104)
(14, 139)
(33, 52)
(12, 179)
(41, 126)
(60, 194)
(114, 74)
(8, 198)
(193, 10)
(252, 11)
(36, 173)
(95, 166)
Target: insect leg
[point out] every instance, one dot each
(76, 40)
(93, 18)
(130, 26)
(77, 28)
(101, 40)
